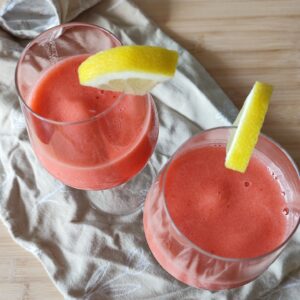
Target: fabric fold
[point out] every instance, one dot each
(88, 253)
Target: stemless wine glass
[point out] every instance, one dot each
(193, 265)
(98, 152)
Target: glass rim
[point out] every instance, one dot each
(49, 120)
(192, 244)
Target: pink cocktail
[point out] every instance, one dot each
(87, 138)
(215, 228)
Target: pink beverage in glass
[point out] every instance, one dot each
(214, 228)
(85, 137)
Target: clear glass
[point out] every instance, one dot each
(93, 153)
(189, 263)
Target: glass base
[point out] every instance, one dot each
(126, 198)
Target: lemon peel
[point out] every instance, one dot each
(130, 69)
(249, 121)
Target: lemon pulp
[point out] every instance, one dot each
(130, 69)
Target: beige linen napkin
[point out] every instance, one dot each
(90, 254)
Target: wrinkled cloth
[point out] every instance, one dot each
(27, 18)
(89, 253)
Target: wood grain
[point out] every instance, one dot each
(21, 276)
(238, 42)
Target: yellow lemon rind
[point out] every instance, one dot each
(249, 123)
(135, 59)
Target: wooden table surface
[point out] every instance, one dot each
(238, 42)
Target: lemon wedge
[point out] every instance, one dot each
(249, 122)
(129, 69)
